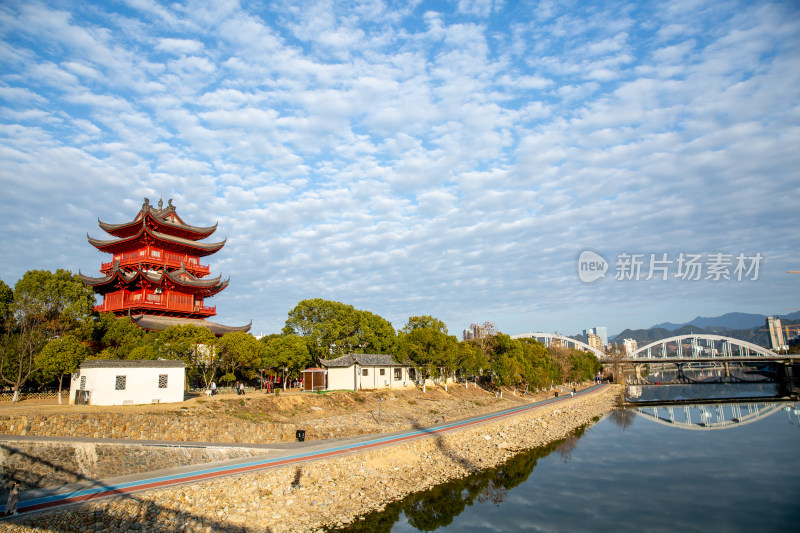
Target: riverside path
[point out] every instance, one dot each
(279, 455)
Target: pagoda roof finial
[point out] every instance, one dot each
(160, 204)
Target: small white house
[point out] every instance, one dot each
(127, 382)
(367, 371)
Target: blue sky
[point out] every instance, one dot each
(442, 158)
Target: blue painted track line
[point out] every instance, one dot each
(58, 500)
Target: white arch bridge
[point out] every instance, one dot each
(693, 347)
(704, 347)
(549, 338)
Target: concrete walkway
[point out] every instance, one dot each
(278, 454)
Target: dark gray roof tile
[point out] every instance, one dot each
(362, 359)
(132, 363)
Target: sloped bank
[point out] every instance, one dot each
(330, 492)
(46, 464)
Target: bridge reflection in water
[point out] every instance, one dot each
(708, 417)
(717, 380)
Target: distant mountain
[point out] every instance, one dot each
(735, 321)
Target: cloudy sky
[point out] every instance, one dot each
(430, 157)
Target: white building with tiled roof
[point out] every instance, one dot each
(367, 371)
(127, 382)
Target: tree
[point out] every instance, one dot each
(486, 339)
(508, 363)
(470, 359)
(240, 352)
(6, 301)
(45, 305)
(289, 352)
(424, 321)
(334, 328)
(122, 337)
(195, 345)
(542, 371)
(430, 350)
(60, 357)
(375, 333)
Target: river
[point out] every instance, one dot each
(628, 472)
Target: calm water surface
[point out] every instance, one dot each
(626, 473)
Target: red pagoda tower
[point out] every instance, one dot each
(155, 276)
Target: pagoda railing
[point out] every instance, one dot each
(162, 302)
(153, 256)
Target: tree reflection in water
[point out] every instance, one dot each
(436, 507)
(622, 416)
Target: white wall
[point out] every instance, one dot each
(141, 385)
(348, 379)
(340, 378)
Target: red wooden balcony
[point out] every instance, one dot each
(153, 256)
(166, 304)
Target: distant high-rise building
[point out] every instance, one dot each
(776, 339)
(594, 341)
(600, 331)
(475, 331)
(630, 346)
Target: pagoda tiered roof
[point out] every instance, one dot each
(182, 278)
(147, 236)
(161, 219)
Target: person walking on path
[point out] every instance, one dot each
(213, 388)
(13, 500)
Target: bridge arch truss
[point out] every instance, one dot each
(548, 338)
(699, 346)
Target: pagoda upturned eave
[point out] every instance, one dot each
(147, 236)
(127, 229)
(135, 280)
(160, 323)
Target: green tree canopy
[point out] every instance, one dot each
(185, 342)
(6, 301)
(45, 305)
(122, 336)
(334, 328)
(509, 366)
(289, 352)
(424, 321)
(431, 351)
(470, 359)
(61, 356)
(240, 353)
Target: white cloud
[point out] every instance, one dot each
(179, 46)
(409, 161)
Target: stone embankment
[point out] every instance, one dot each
(47, 464)
(328, 492)
(148, 427)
